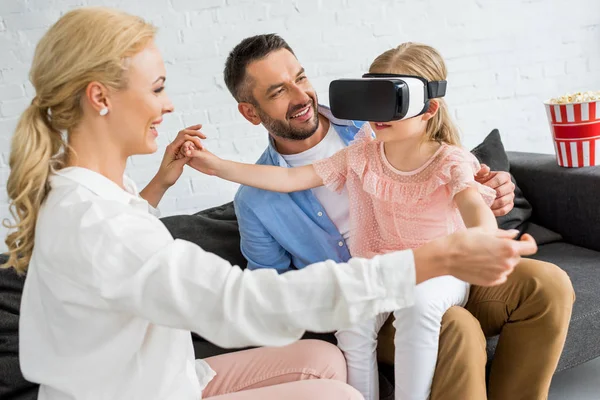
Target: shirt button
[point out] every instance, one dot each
(340, 244)
(320, 214)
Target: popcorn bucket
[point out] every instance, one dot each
(575, 127)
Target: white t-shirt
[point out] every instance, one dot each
(335, 204)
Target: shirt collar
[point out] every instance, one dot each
(97, 183)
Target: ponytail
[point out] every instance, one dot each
(83, 46)
(34, 151)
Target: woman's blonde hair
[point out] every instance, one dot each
(424, 61)
(84, 45)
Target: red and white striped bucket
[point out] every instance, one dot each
(576, 131)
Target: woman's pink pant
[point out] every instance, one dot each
(307, 369)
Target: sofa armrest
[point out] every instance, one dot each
(566, 200)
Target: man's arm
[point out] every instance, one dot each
(258, 246)
(501, 182)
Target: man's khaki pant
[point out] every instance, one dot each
(530, 312)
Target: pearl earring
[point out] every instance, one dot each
(103, 112)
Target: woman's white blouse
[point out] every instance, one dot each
(110, 298)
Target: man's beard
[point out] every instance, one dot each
(284, 130)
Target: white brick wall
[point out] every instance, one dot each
(505, 58)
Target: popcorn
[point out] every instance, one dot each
(579, 97)
(575, 126)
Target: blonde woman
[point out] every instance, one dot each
(110, 297)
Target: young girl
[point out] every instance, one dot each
(408, 185)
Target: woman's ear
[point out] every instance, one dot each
(97, 96)
(249, 112)
(434, 106)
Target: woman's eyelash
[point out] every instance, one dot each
(160, 89)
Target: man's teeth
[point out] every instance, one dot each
(301, 113)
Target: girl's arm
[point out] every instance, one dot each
(474, 211)
(266, 177)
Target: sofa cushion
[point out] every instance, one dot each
(12, 384)
(214, 229)
(583, 267)
(542, 235)
(563, 199)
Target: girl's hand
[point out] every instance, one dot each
(185, 149)
(200, 159)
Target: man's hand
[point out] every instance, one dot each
(505, 190)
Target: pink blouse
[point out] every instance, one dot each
(393, 210)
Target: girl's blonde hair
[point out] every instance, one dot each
(424, 61)
(84, 45)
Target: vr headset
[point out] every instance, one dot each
(383, 97)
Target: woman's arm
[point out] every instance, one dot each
(177, 284)
(154, 191)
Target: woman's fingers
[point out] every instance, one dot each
(194, 133)
(526, 246)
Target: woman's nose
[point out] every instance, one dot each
(168, 106)
(169, 109)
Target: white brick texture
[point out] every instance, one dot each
(504, 59)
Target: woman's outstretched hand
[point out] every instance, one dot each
(474, 255)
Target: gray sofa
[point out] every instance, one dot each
(567, 201)
(559, 207)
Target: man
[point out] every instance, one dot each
(531, 311)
